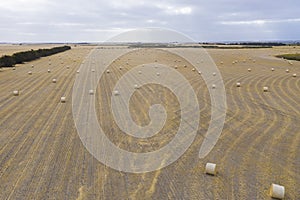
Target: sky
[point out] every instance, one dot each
(99, 20)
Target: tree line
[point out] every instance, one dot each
(26, 56)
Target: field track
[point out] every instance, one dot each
(42, 156)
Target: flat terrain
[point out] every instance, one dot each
(42, 156)
(9, 49)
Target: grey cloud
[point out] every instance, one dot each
(214, 20)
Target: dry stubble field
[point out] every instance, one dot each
(42, 156)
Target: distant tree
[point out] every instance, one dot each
(26, 56)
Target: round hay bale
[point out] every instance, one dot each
(16, 93)
(277, 191)
(238, 84)
(272, 69)
(63, 99)
(68, 67)
(214, 74)
(116, 93)
(30, 72)
(287, 70)
(221, 62)
(211, 169)
(77, 71)
(294, 75)
(32, 66)
(175, 67)
(91, 92)
(193, 69)
(136, 86)
(184, 66)
(54, 80)
(157, 74)
(140, 72)
(93, 70)
(213, 86)
(120, 67)
(49, 71)
(266, 89)
(108, 71)
(14, 68)
(199, 72)
(249, 70)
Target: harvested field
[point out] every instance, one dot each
(6, 49)
(42, 156)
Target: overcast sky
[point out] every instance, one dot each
(98, 20)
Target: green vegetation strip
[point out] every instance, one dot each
(290, 56)
(26, 56)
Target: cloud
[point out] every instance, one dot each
(175, 10)
(259, 22)
(97, 20)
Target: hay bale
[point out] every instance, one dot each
(91, 92)
(221, 62)
(193, 69)
(116, 93)
(214, 74)
(120, 67)
(175, 67)
(77, 71)
(199, 72)
(277, 191)
(32, 66)
(140, 72)
(287, 70)
(63, 99)
(30, 72)
(93, 70)
(108, 71)
(136, 86)
(16, 93)
(14, 68)
(54, 80)
(185, 66)
(211, 169)
(266, 89)
(238, 84)
(157, 74)
(272, 69)
(68, 67)
(213, 86)
(49, 71)
(294, 75)
(249, 70)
